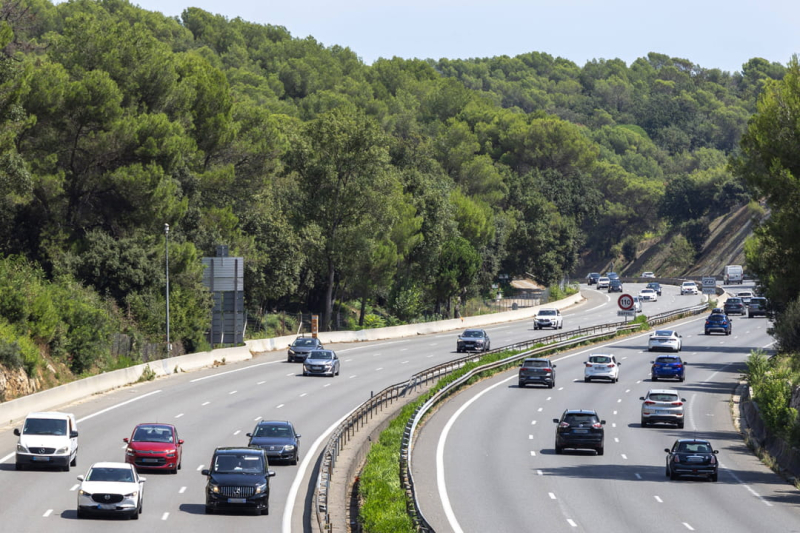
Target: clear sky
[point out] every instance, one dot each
(720, 34)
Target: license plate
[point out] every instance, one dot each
(695, 459)
(149, 460)
(581, 431)
(662, 412)
(42, 459)
(237, 500)
(106, 506)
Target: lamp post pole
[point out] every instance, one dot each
(166, 244)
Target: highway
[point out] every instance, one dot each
(217, 406)
(485, 461)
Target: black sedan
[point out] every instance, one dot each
(692, 457)
(656, 286)
(278, 439)
(301, 347)
(580, 429)
(473, 339)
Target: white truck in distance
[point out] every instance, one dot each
(733, 274)
(548, 318)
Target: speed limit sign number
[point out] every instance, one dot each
(625, 302)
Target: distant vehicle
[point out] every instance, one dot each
(757, 307)
(537, 370)
(47, 439)
(648, 275)
(718, 322)
(745, 296)
(580, 429)
(734, 306)
(473, 340)
(615, 285)
(668, 367)
(238, 478)
(301, 347)
(664, 339)
(662, 405)
(548, 318)
(111, 489)
(154, 446)
(602, 282)
(692, 457)
(612, 275)
(656, 286)
(321, 363)
(601, 366)
(592, 278)
(637, 304)
(689, 287)
(733, 274)
(648, 295)
(278, 439)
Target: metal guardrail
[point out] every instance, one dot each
(365, 412)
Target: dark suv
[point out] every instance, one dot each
(278, 439)
(537, 370)
(615, 285)
(656, 286)
(238, 479)
(580, 428)
(301, 347)
(734, 306)
(757, 307)
(592, 278)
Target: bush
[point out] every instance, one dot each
(787, 328)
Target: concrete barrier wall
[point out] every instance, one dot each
(14, 410)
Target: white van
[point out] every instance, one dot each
(733, 274)
(48, 439)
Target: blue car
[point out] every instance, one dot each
(668, 367)
(718, 322)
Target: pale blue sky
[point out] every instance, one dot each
(711, 33)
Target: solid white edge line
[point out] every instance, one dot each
(310, 455)
(248, 367)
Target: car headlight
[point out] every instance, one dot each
(171, 453)
(213, 487)
(262, 488)
(63, 449)
(130, 451)
(84, 493)
(291, 352)
(288, 448)
(22, 449)
(133, 494)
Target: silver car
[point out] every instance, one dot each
(321, 363)
(601, 366)
(662, 405)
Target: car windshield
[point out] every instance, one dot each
(473, 333)
(652, 285)
(238, 463)
(599, 359)
(647, 291)
(152, 434)
(123, 475)
(694, 447)
(547, 312)
(746, 294)
(733, 301)
(45, 426)
(668, 360)
(304, 342)
(580, 418)
(273, 431)
(537, 364)
(761, 301)
(321, 355)
(663, 397)
(663, 333)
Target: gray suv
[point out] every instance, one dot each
(537, 370)
(662, 405)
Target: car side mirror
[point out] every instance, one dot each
(16, 432)
(603, 422)
(205, 472)
(715, 452)
(73, 434)
(652, 362)
(555, 366)
(555, 420)
(619, 363)
(666, 450)
(249, 435)
(683, 399)
(80, 478)
(142, 479)
(180, 441)
(270, 473)
(641, 398)
(685, 362)
(125, 439)
(297, 436)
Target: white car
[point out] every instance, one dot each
(648, 275)
(548, 318)
(664, 339)
(601, 366)
(47, 439)
(648, 295)
(111, 489)
(637, 304)
(603, 282)
(745, 296)
(689, 287)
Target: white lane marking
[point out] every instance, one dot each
(303, 394)
(619, 401)
(179, 415)
(440, 481)
(533, 423)
(552, 496)
(279, 406)
(249, 367)
(47, 513)
(659, 500)
(540, 409)
(431, 355)
(326, 385)
(164, 516)
(498, 327)
(623, 456)
(256, 419)
(638, 476)
(690, 528)
(183, 489)
(549, 398)
(745, 485)
(538, 472)
(74, 487)
(233, 392)
(290, 374)
(370, 346)
(237, 432)
(561, 388)
(107, 409)
(286, 521)
(354, 375)
(204, 404)
(403, 349)
(615, 412)
(404, 362)
(571, 522)
(533, 453)
(613, 424)
(638, 381)
(260, 382)
(616, 439)
(379, 368)
(628, 390)
(199, 468)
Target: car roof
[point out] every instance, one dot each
(699, 441)
(603, 354)
(688, 283)
(474, 329)
(548, 309)
(50, 414)
(230, 450)
(663, 391)
(663, 333)
(155, 424)
(110, 464)
(537, 359)
(668, 355)
(274, 423)
(580, 412)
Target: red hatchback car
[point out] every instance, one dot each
(154, 446)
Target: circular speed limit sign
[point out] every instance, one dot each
(625, 302)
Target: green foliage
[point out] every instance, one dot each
(147, 374)
(786, 328)
(771, 381)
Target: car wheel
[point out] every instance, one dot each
(600, 450)
(673, 476)
(74, 461)
(209, 510)
(681, 379)
(666, 471)
(559, 450)
(135, 515)
(653, 378)
(180, 465)
(680, 424)
(265, 510)
(586, 380)
(644, 423)
(713, 477)
(550, 385)
(294, 459)
(65, 468)
(19, 466)
(174, 470)
(521, 385)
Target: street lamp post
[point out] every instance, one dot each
(166, 244)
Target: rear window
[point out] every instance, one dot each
(662, 397)
(761, 301)
(668, 360)
(599, 359)
(734, 300)
(663, 333)
(581, 419)
(537, 364)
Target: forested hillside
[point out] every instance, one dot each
(407, 183)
